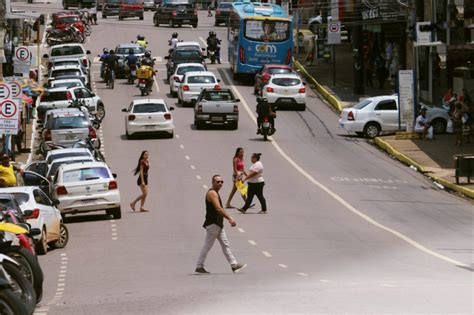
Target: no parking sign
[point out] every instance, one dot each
(22, 60)
(9, 109)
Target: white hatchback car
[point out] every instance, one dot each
(148, 116)
(193, 83)
(177, 76)
(86, 187)
(374, 115)
(44, 215)
(69, 72)
(286, 90)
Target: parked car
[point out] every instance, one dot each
(264, 74)
(222, 13)
(216, 106)
(177, 76)
(286, 90)
(176, 14)
(69, 72)
(72, 50)
(148, 116)
(374, 115)
(122, 51)
(61, 21)
(182, 56)
(149, 5)
(68, 62)
(49, 170)
(110, 8)
(40, 212)
(86, 187)
(193, 83)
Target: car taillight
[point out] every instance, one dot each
(167, 116)
(92, 133)
(350, 116)
(174, 13)
(34, 215)
(265, 119)
(47, 135)
(199, 109)
(185, 87)
(68, 95)
(236, 109)
(288, 56)
(131, 117)
(61, 191)
(176, 79)
(217, 87)
(302, 90)
(84, 62)
(241, 54)
(218, 12)
(270, 89)
(113, 185)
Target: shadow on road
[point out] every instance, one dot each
(86, 218)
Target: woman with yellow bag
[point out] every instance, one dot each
(238, 170)
(256, 183)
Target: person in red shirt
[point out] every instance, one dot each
(142, 181)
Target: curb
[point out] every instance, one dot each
(329, 96)
(410, 162)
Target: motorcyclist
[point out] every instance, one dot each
(141, 41)
(147, 60)
(173, 41)
(111, 62)
(265, 109)
(102, 57)
(213, 44)
(131, 61)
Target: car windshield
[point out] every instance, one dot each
(67, 51)
(83, 174)
(149, 108)
(362, 104)
(286, 81)
(68, 19)
(201, 79)
(183, 70)
(217, 96)
(185, 54)
(54, 166)
(63, 73)
(54, 96)
(127, 50)
(56, 156)
(71, 122)
(267, 30)
(21, 198)
(279, 70)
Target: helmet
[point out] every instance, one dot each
(147, 54)
(111, 52)
(212, 33)
(105, 50)
(140, 37)
(174, 35)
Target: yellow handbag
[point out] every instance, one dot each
(241, 187)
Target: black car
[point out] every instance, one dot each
(176, 14)
(182, 56)
(222, 13)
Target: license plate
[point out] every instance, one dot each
(70, 137)
(142, 85)
(217, 118)
(186, 21)
(286, 100)
(266, 124)
(134, 73)
(87, 201)
(150, 127)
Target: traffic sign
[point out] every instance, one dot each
(5, 90)
(334, 32)
(23, 54)
(9, 113)
(16, 89)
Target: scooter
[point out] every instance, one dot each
(211, 54)
(266, 128)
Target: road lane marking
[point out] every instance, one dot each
(204, 42)
(187, 157)
(156, 84)
(205, 187)
(266, 254)
(193, 167)
(181, 146)
(177, 136)
(252, 242)
(303, 274)
(241, 230)
(325, 281)
(283, 266)
(341, 200)
(198, 177)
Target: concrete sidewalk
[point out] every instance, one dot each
(434, 158)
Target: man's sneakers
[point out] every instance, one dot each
(201, 270)
(241, 210)
(262, 212)
(238, 267)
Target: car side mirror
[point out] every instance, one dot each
(154, 59)
(193, 101)
(218, 80)
(167, 57)
(27, 213)
(92, 94)
(45, 56)
(203, 49)
(171, 108)
(124, 110)
(34, 232)
(114, 175)
(304, 83)
(55, 202)
(88, 52)
(237, 100)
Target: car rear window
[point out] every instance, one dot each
(182, 7)
(62, 73)
(127, 50)
(54, 96)
(7, 204)
(71, 122)
(21, 198)
(54, 166)
(183, 70)
(66, 63)
(67, 51)
(279, 71)
(63, 155)
(201, 79)
(362, 104)
(187, 54)
(286, 81)
(216, 96)
(83, 174)
(149, 108)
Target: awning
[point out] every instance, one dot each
(22, 15)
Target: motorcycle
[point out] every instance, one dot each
(266, 129)
(132, 74)
(211, 54)
(11, 303)
(145, 79)
(145, 86)
(69, 34)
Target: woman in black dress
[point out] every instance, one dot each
(142, 181)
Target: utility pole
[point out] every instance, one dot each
(3, 21)
(359, 88)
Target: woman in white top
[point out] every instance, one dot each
(256, 183)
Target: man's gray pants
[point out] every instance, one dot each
(214, 232)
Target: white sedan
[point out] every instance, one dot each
(148, 116)
(193, 83)
(40, 212)
(86, 187)
(177, 76)
(286, 90)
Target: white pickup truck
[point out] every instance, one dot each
(216, 106)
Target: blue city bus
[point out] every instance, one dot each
(258, 34)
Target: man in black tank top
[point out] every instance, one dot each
(214, 225)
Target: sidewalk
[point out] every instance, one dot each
(433, 158)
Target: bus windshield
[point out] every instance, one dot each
(267, 30)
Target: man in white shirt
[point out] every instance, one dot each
(422, 124)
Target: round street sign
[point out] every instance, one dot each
(22, 54)
(15, 89)
(4, 90)
(7, 109)
(334, 27)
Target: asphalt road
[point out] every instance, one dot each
(348, 229)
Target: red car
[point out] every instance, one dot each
(262, 76)
(64, 20)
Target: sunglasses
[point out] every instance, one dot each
(220, 182)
